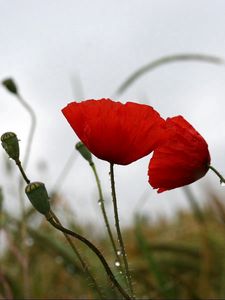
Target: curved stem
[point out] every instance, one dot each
(83, 263)
(182, 57)
(222, 180)
(28, 147)
(120, 239)
(94, 249)
(32, 128)
(21, 198)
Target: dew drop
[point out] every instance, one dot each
(222, 183)
(119, 252)
(117, 263)
(99, 202)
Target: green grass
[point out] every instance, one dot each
(170, 259)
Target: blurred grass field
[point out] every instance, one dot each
(180, 258)
(177, 258)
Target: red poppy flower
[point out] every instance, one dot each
(182, 159)
(116, 132)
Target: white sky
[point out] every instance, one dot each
(59, 51)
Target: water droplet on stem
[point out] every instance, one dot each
(117, 263)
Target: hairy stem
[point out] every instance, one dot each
(101, 202)
(83, 263)
(117, 224)
(94, 249)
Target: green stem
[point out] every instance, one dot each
(32, 128)
(25, 266)
(83, 263)
(18, 163)
(222, 180)
(21, 198)
(180, 57)
(28, 147)
(101, 202)
(94, 249)
(120, 239)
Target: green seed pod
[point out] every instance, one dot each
(84, 151)
(38, 196)
(10, 85)
(10, 143)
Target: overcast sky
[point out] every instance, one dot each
(59, 51)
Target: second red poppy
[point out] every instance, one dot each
(181, 159)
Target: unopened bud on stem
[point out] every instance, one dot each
(10, 143)
(84, 151)
(10, 85)
(38, 196)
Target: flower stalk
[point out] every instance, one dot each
(91, 246)
(86, 154)
(83, 263)
(11, 86)
(54, 221)
(120, 239)
(101, 202)
(222, 180)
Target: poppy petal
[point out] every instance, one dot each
(182, 159)
(115, 132)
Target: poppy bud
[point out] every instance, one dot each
(10, 85)
(84, 151)
(10, 143)
(38, 196)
